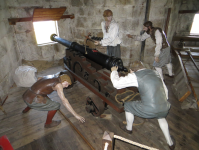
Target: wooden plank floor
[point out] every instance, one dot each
(193, 73)
(27, 132)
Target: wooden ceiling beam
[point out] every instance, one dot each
(43, 14)
(188, 11)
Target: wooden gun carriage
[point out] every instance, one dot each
(92, 68)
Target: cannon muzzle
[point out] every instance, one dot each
(94, 55)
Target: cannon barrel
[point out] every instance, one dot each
(94, 55)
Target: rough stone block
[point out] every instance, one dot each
(126, 62)
(25, 27)
(48, 52)
(125, 52)
(3, 50)
(88, 2)
(82, 22)
(57, 4)
(4, 86)
(187, 22)
(14, 56)
(96, 23)
(99, 12)
(65, 29)
(30, 3)
(73, 10)
(120, 2)
(158, 3)
(60, 55)
(158, 22)
(98, 3)
(12, 3)
(79, 33)
(149, 60)
(5, 65)
(3, 5)
(9, 41)
(136, 2)
(81, 11)
(128, 25)
(31, 52)
(77, 3)
(4, 29)
(108, 3)
(157, 13)
(86, 11)
(135, 53)
(4, 14)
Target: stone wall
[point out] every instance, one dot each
(128, 14)
(185, 20)
(18, 42)
(88, 17)
(10, 57)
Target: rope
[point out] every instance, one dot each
(77, 131)
(134, 143)
(124, 99)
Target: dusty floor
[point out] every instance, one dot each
(27, 132)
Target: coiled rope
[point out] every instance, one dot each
(133, 95)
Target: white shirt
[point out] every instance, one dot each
(128, 81)
(158, 37)
(112, 37)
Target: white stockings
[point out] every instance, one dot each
(129, 120)
(162, 122)
(169, 68)
(165, 129)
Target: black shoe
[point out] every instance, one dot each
(172, 147)
(169, 76)
(123, 127)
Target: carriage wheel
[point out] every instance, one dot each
(94, 106)
(77, 67)
(97, 85)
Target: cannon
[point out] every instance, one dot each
(94, 55)
(92, 68)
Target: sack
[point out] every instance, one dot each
(24, 76)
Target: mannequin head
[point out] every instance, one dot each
(108, 15)
(65, 80)
(136, 65)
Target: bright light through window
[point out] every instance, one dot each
(43, 31)
(195, 25)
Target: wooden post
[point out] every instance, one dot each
(167, 21)
(107, 140)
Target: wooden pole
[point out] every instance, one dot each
(77, 131)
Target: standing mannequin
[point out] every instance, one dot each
(111, 38)
(162, 54)
(153, 93)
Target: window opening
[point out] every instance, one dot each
(195, 25)
(43, 31)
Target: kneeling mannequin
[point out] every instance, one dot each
(36, 98)
(153, 93)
